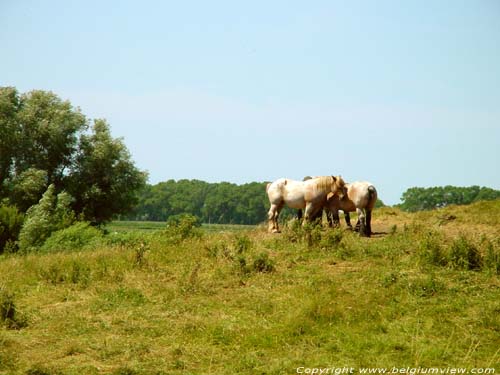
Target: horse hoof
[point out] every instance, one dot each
(276, 231)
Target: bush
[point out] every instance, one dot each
(52, 213)
(9, 316)
(464, 255)
(78, 236)
(181, 227)
(11, 221)
(430, 250)
(262, 263)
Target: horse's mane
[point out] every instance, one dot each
(323, 183)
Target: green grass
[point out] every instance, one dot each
(248, 302)
(146, 226)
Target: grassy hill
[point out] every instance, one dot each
(423, 292)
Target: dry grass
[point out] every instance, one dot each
(250, 302)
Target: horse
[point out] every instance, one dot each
(310, 195)
(359, 196)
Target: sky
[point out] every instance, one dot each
(399, 93)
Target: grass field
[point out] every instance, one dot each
(424, 292)
(145, 226)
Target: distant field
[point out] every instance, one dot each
(145, 226)
(423, 293)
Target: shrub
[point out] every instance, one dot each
(78, 236)
(52, 213)
(331, 238)
(464, 255)
(242, 243)
(492, 259)
(430, 250)
(181, 227)
(11, 221)
(9, 316)
(262, 263)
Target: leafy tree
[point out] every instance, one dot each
(44, 141)
(9, 132)
(103, 178)
(49, 129)
(27, 187)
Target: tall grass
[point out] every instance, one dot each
(181, 301)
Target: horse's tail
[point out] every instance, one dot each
(372, 194)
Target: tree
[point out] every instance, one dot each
(45, 140)
(103, 178)
(9, 132)
(417, 198)
(49, 130)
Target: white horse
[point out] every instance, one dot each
(359, 196)
(310, 195)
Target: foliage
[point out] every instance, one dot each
(183, 226)
(104, 179)
(78, 236)
(418, 199)
(52, 213)
(11, 221)
(213, 203)
(44, 141)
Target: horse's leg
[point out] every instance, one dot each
(309, 212)
(334, 218)
(368, 223)
(272, 216)
(347, 218)
(329, 217)
(362, 222)
(299, 214)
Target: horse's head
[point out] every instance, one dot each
(338, 186)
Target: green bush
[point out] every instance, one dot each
(181, 227)
(78, 236)
(52, 213)
(11, 221)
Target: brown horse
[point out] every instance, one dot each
(358, 196)
(310, 195)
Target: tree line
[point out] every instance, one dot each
(419, 198)
(217, 203)
(227, 203)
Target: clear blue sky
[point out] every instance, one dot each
(400, 93)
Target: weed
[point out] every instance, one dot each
(9, 316)
(331, 239)
(492, 258)
(140, 252)
(262, 263)
(242, 243)
(430, 250)
(42, 370)
(464, 255)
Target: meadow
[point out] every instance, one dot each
(423, 292)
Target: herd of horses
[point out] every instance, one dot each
(314, 195)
